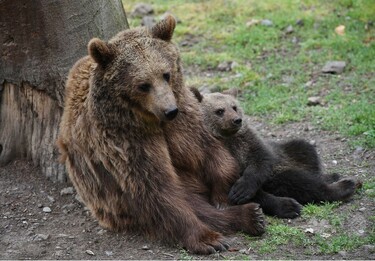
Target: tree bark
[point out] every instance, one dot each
(40, 40)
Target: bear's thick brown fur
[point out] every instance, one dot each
(136, 149)
(275, 175)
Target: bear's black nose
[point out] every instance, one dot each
(170, 114)
(237, 121)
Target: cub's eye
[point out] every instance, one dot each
(145, 87)
(234, 108)
(167, 76)
(219, 112)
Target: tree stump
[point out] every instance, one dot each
(40, 40)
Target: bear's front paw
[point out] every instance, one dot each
(254, 220)
(206, 242)
(242, 191)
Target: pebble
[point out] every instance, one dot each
(89, 252)
(109, 253)
(334, 162)
(313, 101)
(334, 67)
(363, 209)
(300, 22)
(225, 66)
(289, 29)
(309, 230)
(244, 251)
(266, 22)
(145, 247)
(51, 199)
(40, 237)
(47, 210)
(312, 142)
(67, 191)
(40, 205)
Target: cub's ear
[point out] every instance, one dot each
(164, 29)
(232, 91)
(101, 52)
(196, 93)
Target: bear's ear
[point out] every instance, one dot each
(101, 52)
(164, 29)
(196, 93)
(232, 91)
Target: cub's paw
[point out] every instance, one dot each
(206, 243)
(343, 189)
(287, 208)
(330, 178)
(253, 220)
(242, 191)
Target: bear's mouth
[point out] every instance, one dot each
(229, 132)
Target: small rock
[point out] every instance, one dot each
(266, 22)
(145, 247)
(252, 22)
(40, 237)
(334, 162)
(340, 30)
(300, 22)
(67, 191)
(148, 21)
(361, 231)
(51, 199)
(289, 29)
(312, 142)
(362, 209)
(89, 252)
(40, 205)
(68, 206)
(109, 253)
(47, 210)
(326, 235)
(334, 67)
(309, 84)
(309, 230)
(369, 248)
(101, 232)
(313, 101)
(225, 66)
(142, 9)
(342, 253)
(244, 251)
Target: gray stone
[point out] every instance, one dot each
(40, 237)
(67, 191)
(145, 247)
(313, 101)
(289, 29)
(225, 66)
(266, 22)
(47, 210)
(334, 67)
(51, 199)
(142, 9)
(89, 252)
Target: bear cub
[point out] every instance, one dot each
(278, 176)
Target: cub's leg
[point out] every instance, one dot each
(305, 188)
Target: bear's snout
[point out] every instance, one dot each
(237, 122)
(171, 113)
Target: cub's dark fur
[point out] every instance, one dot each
(279, 176)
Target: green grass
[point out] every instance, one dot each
(274, 67)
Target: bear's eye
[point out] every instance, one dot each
(234, 108)
(145, 87)
(219, 112)
(167, 76)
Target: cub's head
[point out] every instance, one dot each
(139, 71)
(222, 112)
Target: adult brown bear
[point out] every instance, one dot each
(136, 149)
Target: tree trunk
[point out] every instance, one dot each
(40, 40)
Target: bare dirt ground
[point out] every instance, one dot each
(69, 232)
